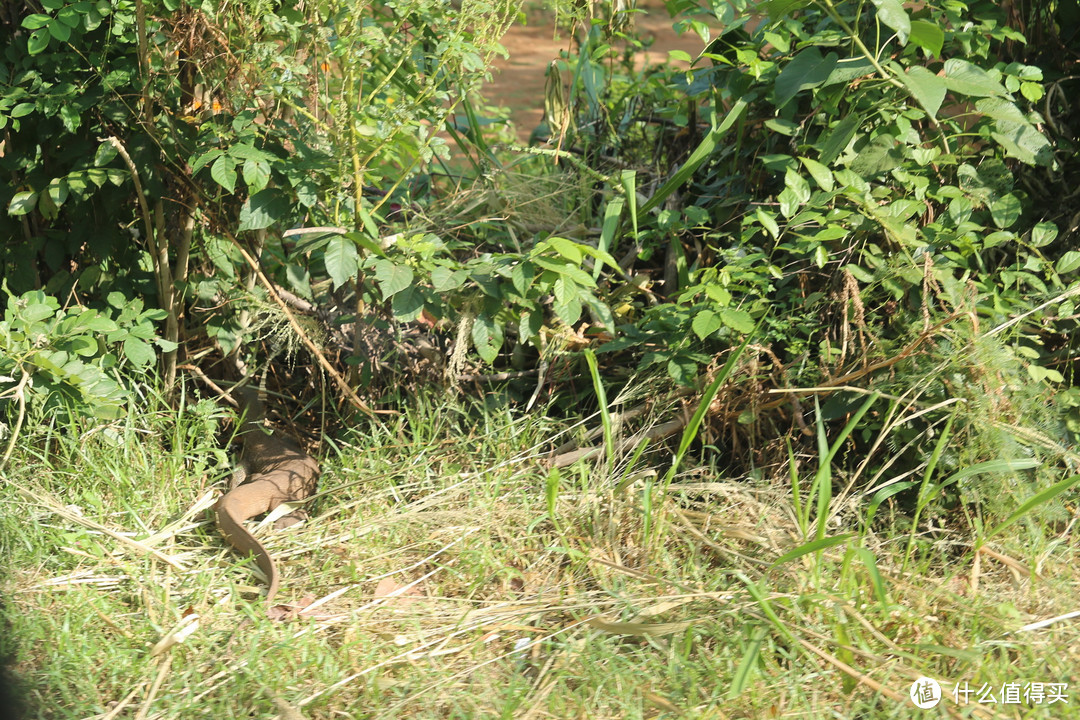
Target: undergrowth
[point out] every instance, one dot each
(445, 573)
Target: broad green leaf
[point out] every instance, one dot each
(821, 174)
(262, 210)
(567, 248)
(892, 13)
(838, 138)
(1043, 233)
(784, 8)
(58, 191)
(926, 87)
(821, 256)
(140, 353)
(392, 278)
(407, 304)
(256, 175)
(35, 21)
(522, 276)
(1000, 109)
(1068, 262)
(38, 41)
(806, 70)
(1023, 142)
(928, 36)
(876, 158)
(223, 171)
(106, 151)
(340, 259)
(22, 203)
(706, 323)
(1006, 210)
(569, 309)
(197, 164)
(738, 320)
(23, 109)
(849, 69)
(444, 279)
(798, 185)
(487, 337)
(768, 222)
(60, 31)
(965, 78)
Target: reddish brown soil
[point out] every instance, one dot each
(518, 81)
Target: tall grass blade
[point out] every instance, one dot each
(811, 547)
(601, 398)
(1034, 501)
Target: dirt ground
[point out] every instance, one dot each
(518, 81)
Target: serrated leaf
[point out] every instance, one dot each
(892, 13)
(392, 278)
(262, 210)
(926, 87)
(706, 323)
(141, 354)
(737, 320)
(223, 171)
(340, 259)
(806, 70)
(22, 203)
(570, 310)
(522, 276)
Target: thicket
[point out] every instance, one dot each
(877, 195)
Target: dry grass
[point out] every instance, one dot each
(433, 582)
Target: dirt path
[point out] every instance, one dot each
(518, 81)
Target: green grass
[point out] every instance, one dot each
(448, 575)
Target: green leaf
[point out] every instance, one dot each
(876, 158)
(23, 109)
(798, 185)
(1023, 142)
(487, 337)
(22, 203)
(200, 162)
(569, 308)
(256, 175)
(38, 41)
(839, 138)
(926, 87)
(821, 256)
(1043, 233)
(262, 210)
(928, 36)
(706, 323)
(963, 77)
(784, 8)
(567, 248)
(806, 70)
(768, 222)
(392, 278)
(738, 320)
(444, 279)
(810, 547)
(1006, 210)
(141, 354)
(60, 31)
(892, 13)
(1034, 501)
(223, 171)
(821, 173)
(1068, 262)
(35, 21)
(340, 259)
(106, 151)
(407, 304)
(58, 191)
